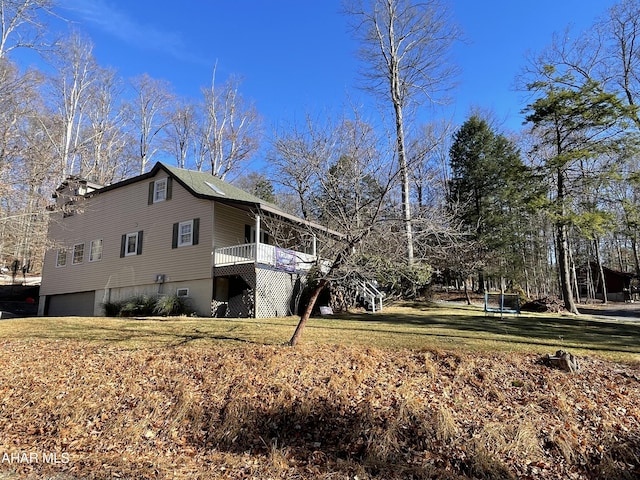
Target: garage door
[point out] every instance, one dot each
(80, 304)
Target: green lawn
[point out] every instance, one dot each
(415, 326)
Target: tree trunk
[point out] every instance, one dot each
(636, 257)
(574, 276)
(466, 292)
(307, 313)
(601, 271)
(527, 285)
(481, 281)
(621, 266)
(591, 289)
(562, 246)
(404, 174)
(564, 269)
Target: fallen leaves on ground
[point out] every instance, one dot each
(80, 410)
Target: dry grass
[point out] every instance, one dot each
(187, 398)
(419, 326)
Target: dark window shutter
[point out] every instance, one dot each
(247, 234)
(266, 238)
(123, 245)
(169, 187)
(139, 252)
(174, 238)
(196, 231)
(151, 188)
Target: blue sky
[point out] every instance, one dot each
(298, 56)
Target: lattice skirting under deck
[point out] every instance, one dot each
(278, 292)
(258, 292)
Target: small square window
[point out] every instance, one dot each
(61, 258)
(95, 251)
(160, 190)
(78, 253)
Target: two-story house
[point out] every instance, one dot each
(173, 231)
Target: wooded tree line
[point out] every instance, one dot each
(72, 116)
(416, 202)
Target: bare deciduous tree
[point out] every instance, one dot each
(18, 101)
(405, 48)
(231, 128)
(341, 162)
(428, 153)
(69, 95)
(293, 151)
(181, 131)
(19, 19)
(103, 156)
(150, 115)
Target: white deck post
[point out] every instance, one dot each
(257, 242)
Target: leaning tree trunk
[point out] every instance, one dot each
(307, 313)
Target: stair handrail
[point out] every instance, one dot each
(370, 292)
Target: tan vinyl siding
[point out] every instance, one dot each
(230, 223)
(123, 210)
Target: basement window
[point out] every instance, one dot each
(182, 292)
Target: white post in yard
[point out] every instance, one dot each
(314, 245)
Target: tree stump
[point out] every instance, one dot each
(562, 360)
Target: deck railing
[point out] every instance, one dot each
(266, 254)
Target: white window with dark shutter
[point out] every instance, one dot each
(160, 190)
(186, 233)
(131, 244)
